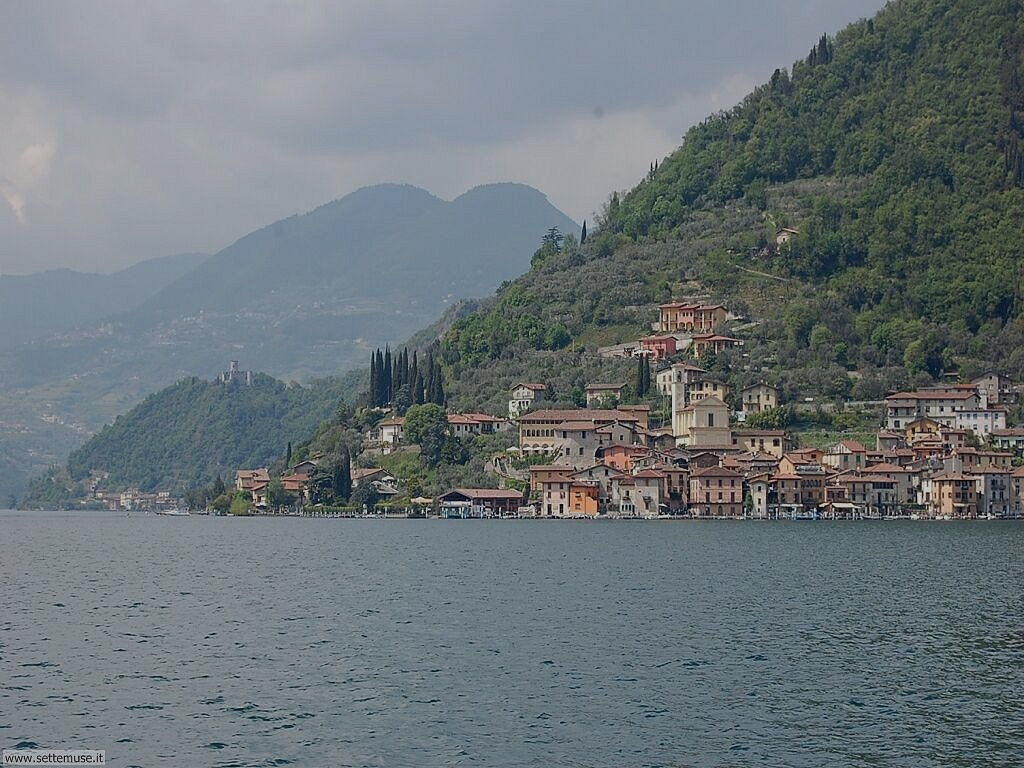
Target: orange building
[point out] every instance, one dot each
(683, 316)
(658, 347)
(954, 494)
(716, 492)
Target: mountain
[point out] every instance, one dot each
(304, 297)
(191, 432)
(894, 150)
(34, 306)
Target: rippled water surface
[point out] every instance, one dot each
(241, 642)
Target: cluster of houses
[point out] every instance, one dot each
(390, 433)
(925, 462)
(681, 326)
(296, 481)
(606, 459)
(132, 499)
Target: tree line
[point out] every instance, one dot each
(403, 381)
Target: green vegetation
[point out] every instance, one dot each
(193, 431)
(893, 150)
(403, 381)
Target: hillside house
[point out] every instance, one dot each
(937, 403)
(708, 387)
(389, 433)
(758, 397)
(768, 441)
(599, 394)
(467, 424)
(996, 389)
(248, 479)
(548, 431)
(658, 347)
(1009, 439)
(784, 234)
(712, 343)
(525, 396)
(684, 316)
(373, 475)
(981, 421)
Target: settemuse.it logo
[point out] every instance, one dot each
(42, 757)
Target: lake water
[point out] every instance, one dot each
(250, 642)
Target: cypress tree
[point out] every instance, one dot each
(428, 379)
(374, 387)
(387, 374)
(647, 376)
(583, 233)
(639, 378)
(380, 395)
(288, 456)
(417, 389)
(439, 395)
(343, 484)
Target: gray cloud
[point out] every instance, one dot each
(137, 129)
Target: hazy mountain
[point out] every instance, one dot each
(33, 306)
(306, 296)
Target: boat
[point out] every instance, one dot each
(172, 512)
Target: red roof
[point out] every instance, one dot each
(886, 467)
(652, 474)
(486, 493)
(715, 472)
(938, 395)
(578, 414)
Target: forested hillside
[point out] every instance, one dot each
(894, 149)
(188, 433)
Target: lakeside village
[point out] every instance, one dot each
(944, 452)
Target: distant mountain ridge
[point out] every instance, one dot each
(305, 297)
(43, 303)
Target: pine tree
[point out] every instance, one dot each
(583, 233)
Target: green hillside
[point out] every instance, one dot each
(188, 433)
(895, 150)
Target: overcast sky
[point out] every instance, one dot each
(140, 129)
